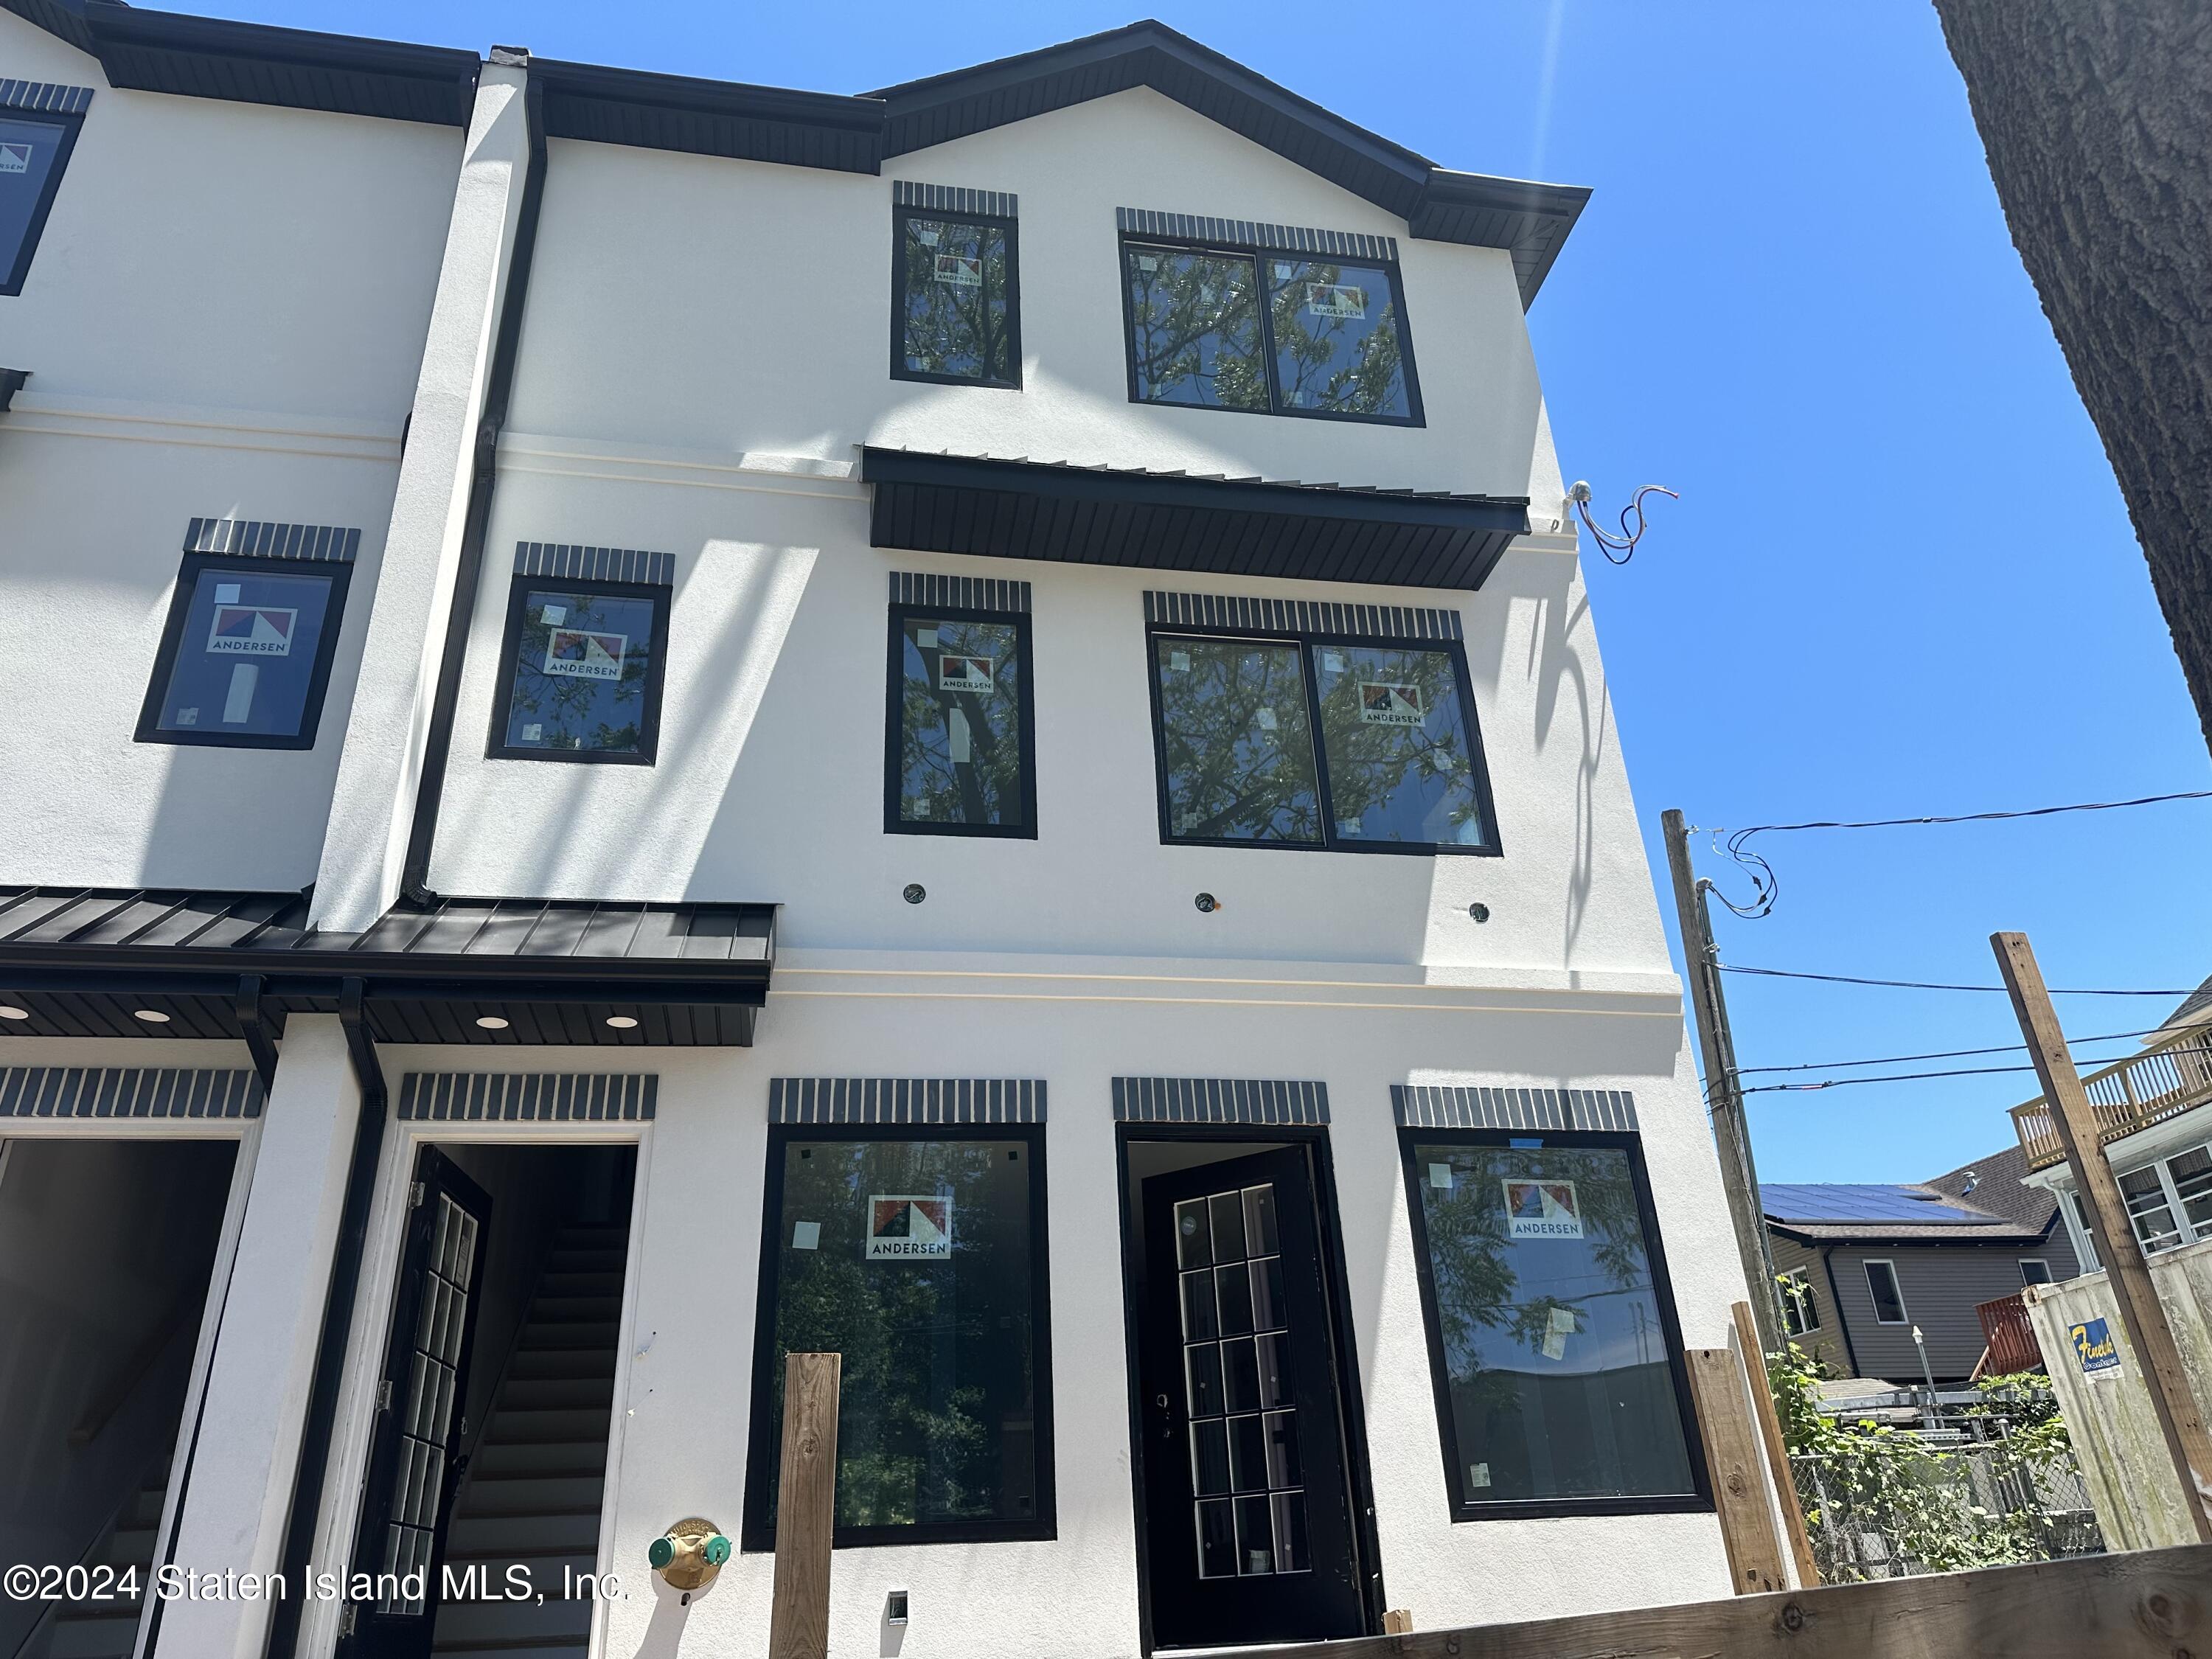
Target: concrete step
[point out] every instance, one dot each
(513, 1537)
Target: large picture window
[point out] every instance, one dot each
(245, 656)
(580, 671)
(956, 314)
(1267, 331)
(34, 149)
(962, 730)
(918, 1254)
(1551, 1335)
(1361, 745)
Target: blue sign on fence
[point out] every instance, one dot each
(2092, 1340)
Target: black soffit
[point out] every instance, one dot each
(83, 963)
(1022, 509)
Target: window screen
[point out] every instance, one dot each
(582, 672)
(1888, 1299)
(1559, 1365)
(918, 1260)
(33, 151)
(960, 725)
(246, 654)
(957, 312)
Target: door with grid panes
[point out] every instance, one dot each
(1249, 1529)
(419, 1452)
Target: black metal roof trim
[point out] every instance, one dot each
(710, 117)
(1426, 1106)
(1217, 1100)
(1529, 221)
(63, 18)
(253, 539)
(11, 382)
(950, 1100)
(1069, 513)
(258, 63)
(1244, 232)
(599, 564)
(153, 1091)
(948, 198)
(959, 592)
(529, 1098)
(45, 97)
(1391, 622)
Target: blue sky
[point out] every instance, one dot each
(1900, 580)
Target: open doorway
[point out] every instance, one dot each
(1250, 1477)
(106, 1250)
(489, 1452)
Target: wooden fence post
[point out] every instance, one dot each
(805, 1508)
(2075, 1122)
(1739, 1477)
(1778, 1449)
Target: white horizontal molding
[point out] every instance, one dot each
(199, 427)
(695, 469)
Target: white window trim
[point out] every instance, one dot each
(2043, 1263)
(1896, 1284)
(1798, 1291)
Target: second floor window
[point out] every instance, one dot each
(956, 302)
(582, 671)
(1271, 332)
(34, 149)
(961, 733)
(246, 657)
(1888, 1299)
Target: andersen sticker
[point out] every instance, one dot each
(15, 158)
(959, 270)
(1542, 1209)
(584, 655)
(956, 673)
(251, 630)
(1335, 300)
(1390, 705)
(908, 1227)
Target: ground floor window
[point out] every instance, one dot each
(1552, 1332)
(918, 1255)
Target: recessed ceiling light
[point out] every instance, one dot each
(491, 1021)
(151, 1015)
(9, 1011)
(621, 1021)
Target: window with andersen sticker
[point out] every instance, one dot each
(245, 655)
(962, 730)
(580, 674)
(34, 149)
(1354, 745)
(956, 310)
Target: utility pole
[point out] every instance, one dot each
(2076, 1122)
(1724, 1098)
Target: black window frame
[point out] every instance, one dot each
(12, 280)
(756, 1529)
(1700, 1500)
(339, 573)
(1415, 415)
(902, 613)
(1896, 1284)
(1478, 759)
(900, 214)
(662, 598)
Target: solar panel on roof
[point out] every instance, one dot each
(1787, 1201)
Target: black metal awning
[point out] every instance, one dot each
(77, 962)
(1023, 510)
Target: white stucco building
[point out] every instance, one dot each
(661, 721)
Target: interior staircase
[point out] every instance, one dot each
(533, 1494)
(107, 1629)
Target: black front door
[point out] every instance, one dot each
(420, 1450)
(1249, 1529)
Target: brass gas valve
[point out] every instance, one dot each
(689, 1554)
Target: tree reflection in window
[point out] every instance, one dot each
(956, 295)
(1336, 336)
(1557, 1362)
(960, 746)
(1196, 319)
(1235, 741)
(580, 671)
(1400, 756)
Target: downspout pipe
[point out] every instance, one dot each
(337, 1316)
(499, 388)
(1836, 1299)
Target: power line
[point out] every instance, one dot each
(1940, 1054)
(1894, 1077)
(1930, 985)
(1766, 886)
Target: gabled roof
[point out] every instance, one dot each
(2000, 1189)
(253, 63)
(2196, 1005)
(1837, 1212)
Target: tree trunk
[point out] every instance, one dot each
(2097, 116)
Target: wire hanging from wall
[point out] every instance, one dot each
(1620, 548)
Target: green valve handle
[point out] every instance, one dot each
(717, 1550)
(664, 1551)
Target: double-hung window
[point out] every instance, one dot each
(584, 656)
(956, 287)
(1553, 1341)
(1888, 1297)
(959, 749)
(1322, 739)
(1272, 327)
(1801, 1312)
(245, 655)
(918, 1254)
(39, 126)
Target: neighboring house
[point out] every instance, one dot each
(1861, 1265)
(657, 722)
(2154, 1117)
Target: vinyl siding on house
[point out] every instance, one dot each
(1942, 1285)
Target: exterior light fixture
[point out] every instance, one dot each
(491, 1021)
(621, 1021)
(9, 1011)
(151, 1015)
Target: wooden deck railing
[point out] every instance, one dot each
(2009, 1336)
(2163, 1081)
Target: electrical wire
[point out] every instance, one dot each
(1632, 525)
(1894, 1077)
(1940, 1054)
(1766, 886)
(1931, 985)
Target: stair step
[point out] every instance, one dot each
(517, 1426)
(559, 1261)
(108, 1636)
(551, 1620)
(542, 1460)
(594, 1394)
(132, 1546)
(548, 1308)
(476, 1536)
(519, 1495)
(145, 1509)
(579, 1335)
(571, 1648)
(568, 1283)
(564, 1364)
